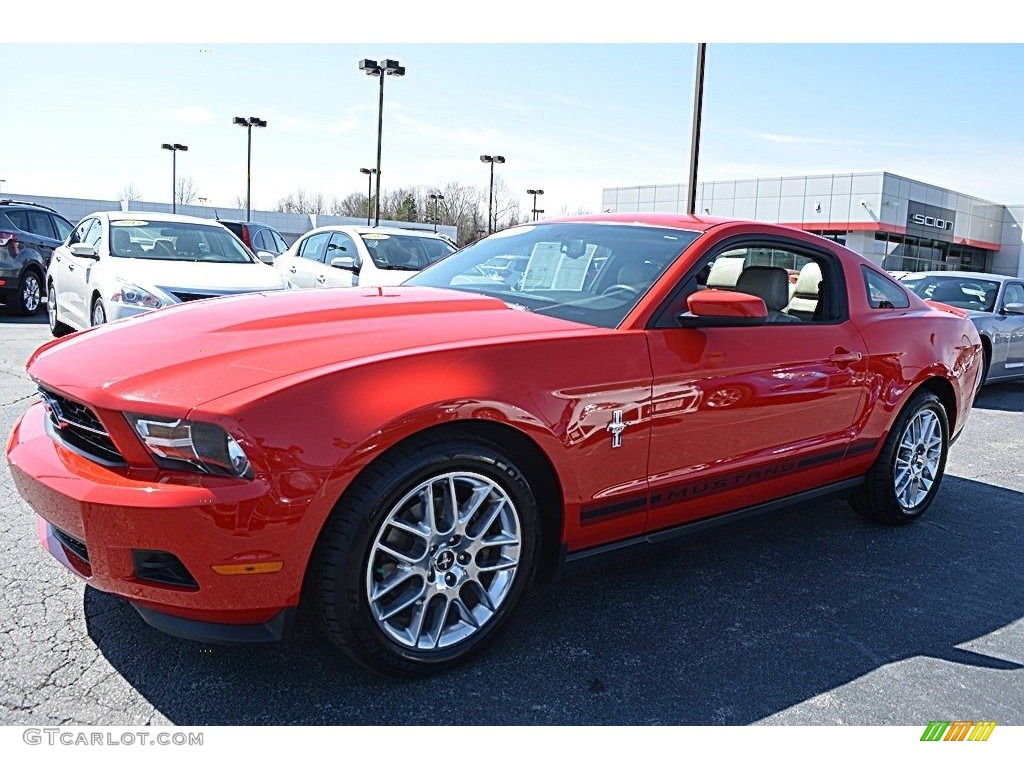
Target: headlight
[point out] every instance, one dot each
(134, 296)
(191, 445)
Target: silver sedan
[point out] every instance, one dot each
(996, 306)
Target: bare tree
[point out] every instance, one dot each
(301, 201)
(506, 205)
(185, 191)
(129, 192)
(355, 204)
(461, 209)
(239, 201)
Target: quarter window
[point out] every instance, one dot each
(1014, 294)
(63, 227)
(883, 292)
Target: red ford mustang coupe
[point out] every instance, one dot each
(406, 460)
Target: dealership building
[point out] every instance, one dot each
(898, 223)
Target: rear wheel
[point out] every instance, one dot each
(29, 296)
(904, 479)
(426, 556)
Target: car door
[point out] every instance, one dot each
(1013, 293)
(340, 246)
(742, 415)
(80, 269)
(41, 225)
(66, 272)
(302, 266)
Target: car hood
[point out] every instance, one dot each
(195, 276)
(189, 354)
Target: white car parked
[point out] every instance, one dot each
(115, 265)
(341, 256)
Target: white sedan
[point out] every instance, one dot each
(341, 256)
(115, 265)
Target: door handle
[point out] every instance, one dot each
(57, 258)
(292, 269)
(321, 279)
(843, 357)
(71, 267)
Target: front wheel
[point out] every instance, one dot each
(426, 556)
(903, 481)
(99, 315)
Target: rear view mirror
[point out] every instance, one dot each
(712, 308)
(1014, 308)
(84, 251)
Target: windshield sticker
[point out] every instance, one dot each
(375, 236)
(129, 223)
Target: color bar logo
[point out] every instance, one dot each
(959, 730)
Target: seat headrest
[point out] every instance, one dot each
(120, 240)
(771, 284)
(948, 291)
(638, 274)
(808, 284)
(188, 242)
(725, 272)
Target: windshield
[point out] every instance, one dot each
(962, 292)
(405, 252)
(175, 241)
(580, 271)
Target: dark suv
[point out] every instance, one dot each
(28, 234)
(259, 237)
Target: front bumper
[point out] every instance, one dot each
(95, 520)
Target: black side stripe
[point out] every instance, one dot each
(675, 494)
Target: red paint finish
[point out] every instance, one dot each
(315, 385)
(723, 304)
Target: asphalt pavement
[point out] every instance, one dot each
(812, 616)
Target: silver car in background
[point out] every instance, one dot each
(995, 304)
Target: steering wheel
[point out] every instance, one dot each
(620, 288)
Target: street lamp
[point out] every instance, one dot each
(435, 198)
(175, 149)
(249, 123)
(370, 173)
(492, 159)
(535, 192)
(381, 68)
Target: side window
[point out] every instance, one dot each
(796, 286)
(279, 242)
(1014, 294)
(63, 227)
(315, 246)
(39, 224)
(883, 292)
(341, 245)
(259, 242)
(78, 236)
(95, 235)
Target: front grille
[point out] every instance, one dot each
(78, 428)
(182, 296)
(70, 543)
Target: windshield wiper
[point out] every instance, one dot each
(398, 267)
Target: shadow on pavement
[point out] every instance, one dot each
(1002, 397)
(727, 629)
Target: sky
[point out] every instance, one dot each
(570, 117)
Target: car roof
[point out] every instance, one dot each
(9, 203)
(154, 216)
(953, 273)
(365, 230)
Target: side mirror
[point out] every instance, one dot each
(345, 262)
(1013, 308)
(265, 256)
(722, 309)
(84, 250)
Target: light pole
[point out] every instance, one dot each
(535, 192)
(370, 173)
(384, 67)
(435, 198)
(249, 123)
(175, 149)
(698, 106)
(492, 159)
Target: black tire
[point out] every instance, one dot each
(97, 315)
(880, 498)
(57, 328)
(30, 294)
(341, 577)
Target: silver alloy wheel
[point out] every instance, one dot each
(51, 306)
(31, 293)
(99, 317)
(917, 459)
(444, 560)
